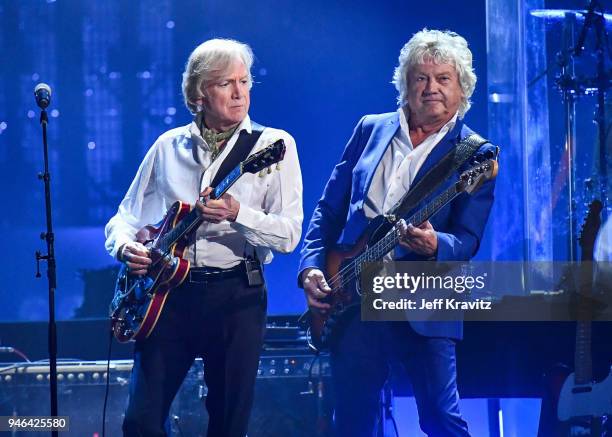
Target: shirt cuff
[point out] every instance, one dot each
(299, 276)
(119, 242)
(246, 216)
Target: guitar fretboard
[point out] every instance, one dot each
(226, 183)
(193, 219)
(383, 246)
(582, 359)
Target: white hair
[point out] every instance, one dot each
(207, 62)
(440, 47)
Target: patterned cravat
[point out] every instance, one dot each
(215, 139)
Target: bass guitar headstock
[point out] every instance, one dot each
(473, 178)
(589, 230)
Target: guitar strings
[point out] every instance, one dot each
(390, 240)
(387, 243)
(380, 248)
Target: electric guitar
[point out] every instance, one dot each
(574, 404)
(139, 300)
(343, 267)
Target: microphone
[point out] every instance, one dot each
(42, 92)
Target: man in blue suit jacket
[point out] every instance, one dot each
(387, 154)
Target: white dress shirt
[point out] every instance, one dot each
(399, 166)
(178, 167)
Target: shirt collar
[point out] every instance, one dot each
(194, 132)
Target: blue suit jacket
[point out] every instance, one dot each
(339, 217)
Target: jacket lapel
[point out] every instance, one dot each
(380, 139)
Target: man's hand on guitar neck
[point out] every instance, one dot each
(315, 289)
(419, 239)
(136, 257)
(218, 210)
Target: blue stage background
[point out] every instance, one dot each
(115, 68)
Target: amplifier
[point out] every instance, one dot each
(279, 366)
(94, 372)
(291, 395)
(71, 373)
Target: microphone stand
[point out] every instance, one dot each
(51, 270)
(567, 85)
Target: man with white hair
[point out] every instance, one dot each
(219, 311)
(386, 156)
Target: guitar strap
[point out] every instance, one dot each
(437, 175)
(244, 144)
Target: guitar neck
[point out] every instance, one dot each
(194, 218)
(434, 206)
(583, 362)
(378, 250)
(227, 182)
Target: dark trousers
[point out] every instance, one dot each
(360, 366)
(221, 321)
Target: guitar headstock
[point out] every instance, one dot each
(264, 158)
(589, 230)
(473, 178)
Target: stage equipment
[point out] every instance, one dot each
(559, 14)
(573, 403)
(42, 93)
(290, 395)
(495, 360)
(572, 87)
